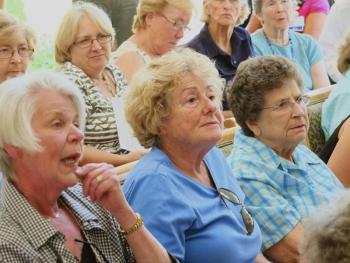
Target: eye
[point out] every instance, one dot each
(83, 41)
(57, 124)
(283, 104)
(4, 50)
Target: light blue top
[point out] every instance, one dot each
(280, 193)
(187, 217)
(337, 106)
(306, 52)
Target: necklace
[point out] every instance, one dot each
(290, 45)
(106, 84)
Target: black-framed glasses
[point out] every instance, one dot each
(227, 194)
(87, 42)
(288, 104)
(7, 52)
(176, 24)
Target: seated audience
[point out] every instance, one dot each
(276, 39)
(17, 43)
(311, 17)
(221, 39)
(46, 214)
(158, 26)
(183, 187)
(336, 107)
(337, 24)
(83, 48)
(335, 120)
(327, 236)
(282, 179)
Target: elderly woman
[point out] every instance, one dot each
(282, 179)
(16, 49)
(335, 120)
(183, 186)
(83, 48)
(158, 26)
(327, 236)
(45, 214)
(276, 39)
(221, 40)
(312, 16)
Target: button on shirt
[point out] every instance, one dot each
(26, 236)
(280, 193)
(226, 64)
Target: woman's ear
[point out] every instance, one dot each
(12, 151)
(149, 17)
(254, 127)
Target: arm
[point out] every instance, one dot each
(319, 75)
(94, 155)
(100, 183)
(287, 250)
(339, 160)
(253, 24)
(314, 23)
(129, 63)
(261, 259)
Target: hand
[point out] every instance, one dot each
(100, 182)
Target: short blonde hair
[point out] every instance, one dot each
(145, 7)
(245, 11)
(344, 55)
(149, 98)
(11, 28)
(68, 28)
(18, 104)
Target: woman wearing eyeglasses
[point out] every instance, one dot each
(275, 38)
(17, 43)
(282, 179)
(83, 48)
(183, 187)
(221, 39)
(158, 26)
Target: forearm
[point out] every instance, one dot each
(142, 243)
(93, 155)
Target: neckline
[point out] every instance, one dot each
(290, 45)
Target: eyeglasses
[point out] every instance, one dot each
(226, 194)
(289, 104)
(177, 24)
(87, 42)
(24, 52)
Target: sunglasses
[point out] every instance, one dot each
(226, 194)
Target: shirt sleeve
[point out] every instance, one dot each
(273, 212)
(155, 197)
(319, 6)
(314, 52)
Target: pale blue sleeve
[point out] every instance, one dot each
(313, 50)
(165, 214)
(259, 44)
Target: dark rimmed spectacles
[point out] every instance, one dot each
(288, 104)
(226, 194)
(176, 24)
(24, 52)
(87, 42)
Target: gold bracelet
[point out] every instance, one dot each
(134, 227)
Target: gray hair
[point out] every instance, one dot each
(257, 5)
(18, 104)
(327, 232)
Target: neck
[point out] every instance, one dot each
(39, 193)
(277, 36)
(221, 35)
(285, 151)
(188, 159)
(143, 41)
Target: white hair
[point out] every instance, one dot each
(18, 104)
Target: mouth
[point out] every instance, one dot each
(299, 127)
(71, 160)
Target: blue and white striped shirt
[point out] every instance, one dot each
(280, 193)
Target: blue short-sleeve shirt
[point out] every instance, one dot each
(280, 193)
(189, 218)
(303, 50)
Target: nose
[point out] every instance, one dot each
(180, 33)
(15, 58)
(227, 4)
(95, 44)
(298, 110)
(75, 134)
(210, 105)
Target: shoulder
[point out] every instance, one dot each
(242, 32)
(200, 41)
